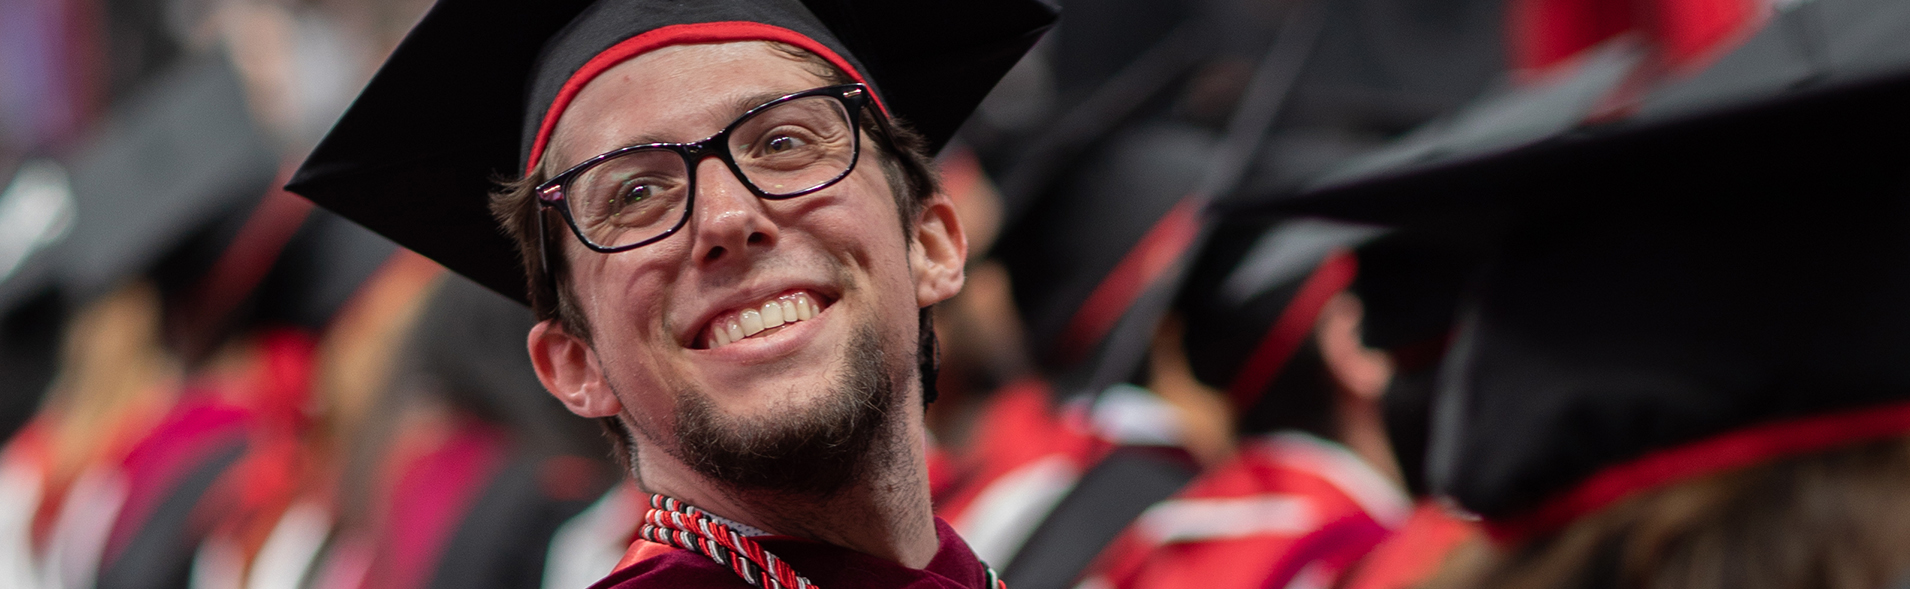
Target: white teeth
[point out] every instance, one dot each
(731, 327)
(752, 321)
(772, 314)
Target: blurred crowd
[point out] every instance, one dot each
(207, 382)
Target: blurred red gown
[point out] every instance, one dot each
(1289, 510)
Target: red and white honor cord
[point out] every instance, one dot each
(675, 523)
(682, 525)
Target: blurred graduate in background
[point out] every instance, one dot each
(1680, 364)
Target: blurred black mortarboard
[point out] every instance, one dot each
(469, 349)
(170, 162)
(177, 187)
(458, 104)
(161, 190)
(1249, 308)
(321, 268)
(1707, 279)
(1081, 256)
(1410, 285)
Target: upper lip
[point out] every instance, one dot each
(756, 292)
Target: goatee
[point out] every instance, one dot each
(813, 452)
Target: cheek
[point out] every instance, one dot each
(623, 301)
(863, 213)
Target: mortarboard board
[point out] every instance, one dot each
(462, 101)
(158, 190)
(173, 159)
(1812, 66)
(1711, 279)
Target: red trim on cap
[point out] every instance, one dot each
(1286, 334)
(1157, 250)
(686, 34)
(1734, 450)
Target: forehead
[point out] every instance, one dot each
(675, 94)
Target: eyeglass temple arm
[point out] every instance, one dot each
(543, 248)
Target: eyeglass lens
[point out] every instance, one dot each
(786, 149)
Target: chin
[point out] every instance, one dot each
(811, 437)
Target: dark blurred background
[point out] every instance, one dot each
(205, 381)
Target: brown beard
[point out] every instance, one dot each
(813, 453)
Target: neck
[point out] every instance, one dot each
(1361, 428)
(886, 513)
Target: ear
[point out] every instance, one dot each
(569, 370)
(939, 250)
(1360, 370)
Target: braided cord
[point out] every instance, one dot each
(682, 525)
(675, 523)
(992, 579)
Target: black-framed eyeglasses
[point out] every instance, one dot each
(635, 196)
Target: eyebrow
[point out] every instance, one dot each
(734, 108)
(742, 104)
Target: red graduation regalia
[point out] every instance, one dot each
(1415, 553)
(828, 566)
(1289, 510)
(1026, 446)
(432, 493)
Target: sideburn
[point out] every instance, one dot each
(814, 453)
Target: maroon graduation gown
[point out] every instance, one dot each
(827, 565)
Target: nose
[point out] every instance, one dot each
(729, 220)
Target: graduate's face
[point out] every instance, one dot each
(661, 315)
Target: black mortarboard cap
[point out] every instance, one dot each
(416, 156)
(1711, 280)
(1249, 308)
(1815, 63)
(1083, 254)
(319, 270)
(170, 162)
(1410, 284)
(469, 348)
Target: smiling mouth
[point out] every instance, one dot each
(760, 319)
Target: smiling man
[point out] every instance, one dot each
(724, 217)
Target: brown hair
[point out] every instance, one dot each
(1836, 519)
(905, 163)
